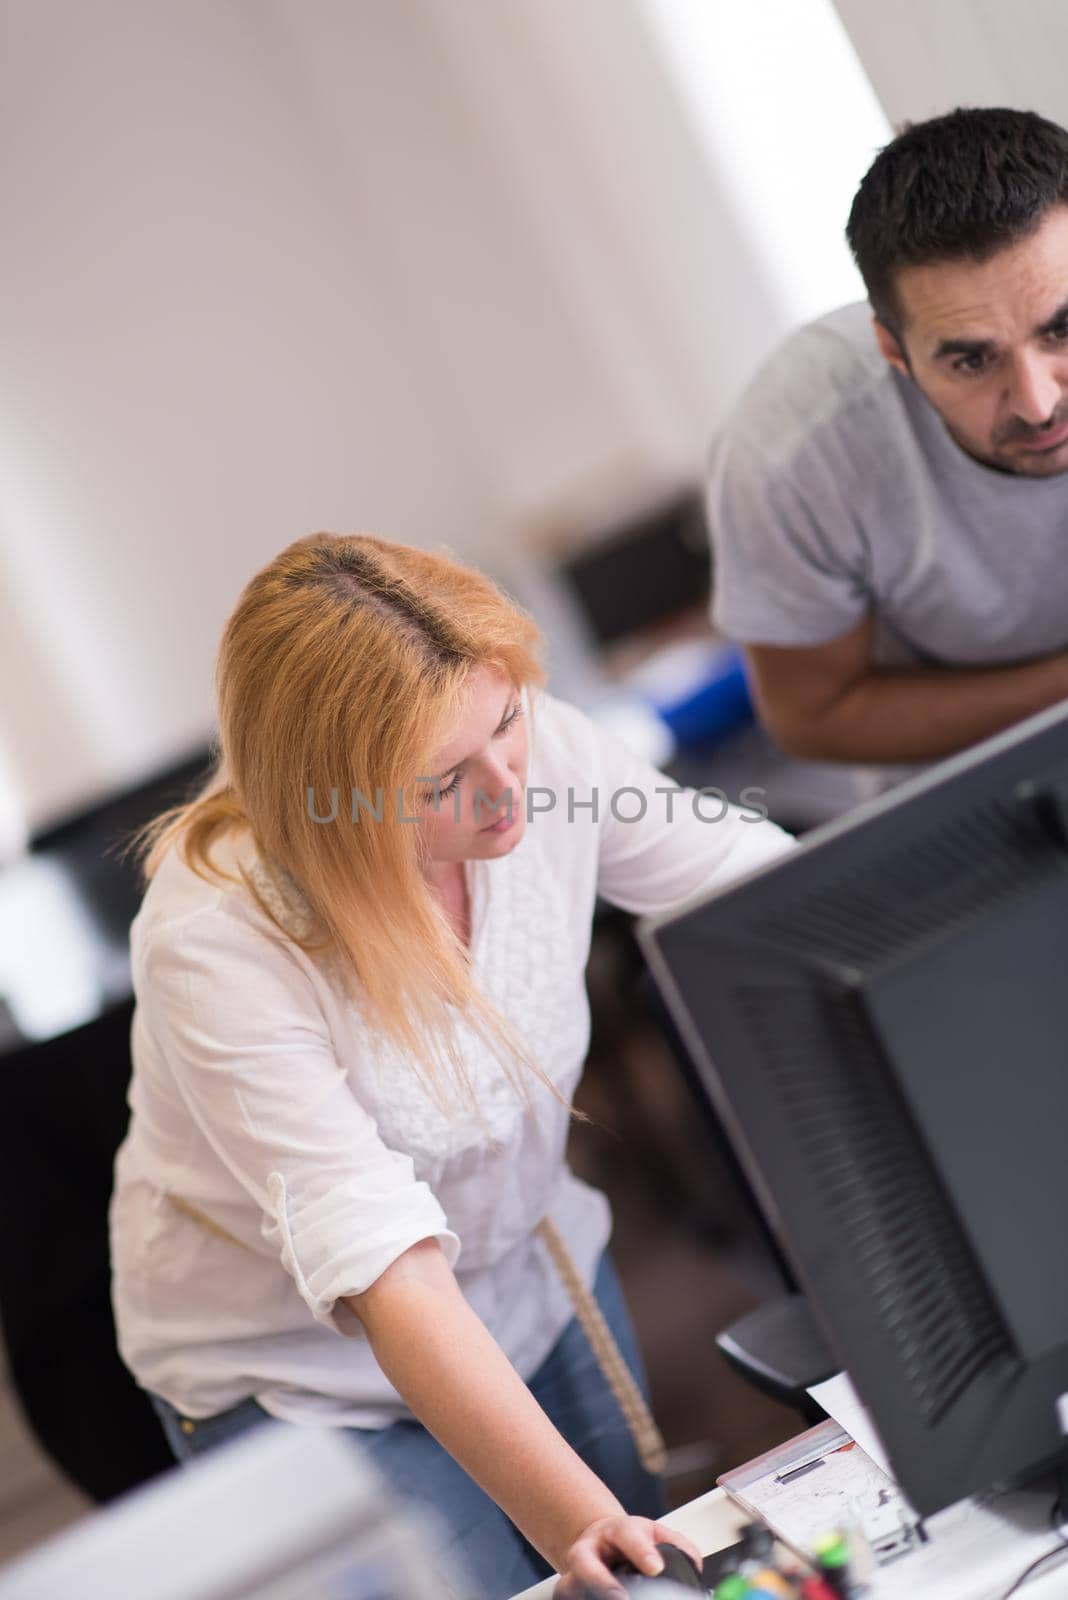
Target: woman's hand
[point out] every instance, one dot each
(456, 1379)
(607, 1543)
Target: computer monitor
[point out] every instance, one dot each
(881, 1018)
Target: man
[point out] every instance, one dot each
(888, 506)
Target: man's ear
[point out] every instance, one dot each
(893, 351)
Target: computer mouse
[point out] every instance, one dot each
(678, 1569)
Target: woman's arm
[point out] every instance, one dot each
(657, 844)
(456, 1379)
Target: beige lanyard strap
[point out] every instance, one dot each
(643, 1430)
(647, 1437)
(195, 1214)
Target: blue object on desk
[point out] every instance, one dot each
(709, 699)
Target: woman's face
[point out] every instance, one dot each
(472, 804)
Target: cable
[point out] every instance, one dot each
(1056, 1521)
(1058, 1550)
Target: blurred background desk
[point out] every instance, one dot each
(65, 1010)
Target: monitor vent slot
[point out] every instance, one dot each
(941, 880)
(929, 1297)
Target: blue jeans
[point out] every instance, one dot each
(481, 1541)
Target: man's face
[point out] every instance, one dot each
(987, 344)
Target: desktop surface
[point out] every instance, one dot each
(715, 1521)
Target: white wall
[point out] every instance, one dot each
(206, 353)
(789, 121)
(452, 270)
(928, 56)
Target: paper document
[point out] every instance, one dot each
(841, 1401)
(822, 1480)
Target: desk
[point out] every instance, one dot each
(713, 1521)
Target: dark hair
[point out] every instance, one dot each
(962, 185)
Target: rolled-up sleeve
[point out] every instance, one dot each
(660, 843)
(237, 1020)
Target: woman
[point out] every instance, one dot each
(360, 1021)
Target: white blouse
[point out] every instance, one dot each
(262, 1102)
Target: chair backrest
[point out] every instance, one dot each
(63, 1113)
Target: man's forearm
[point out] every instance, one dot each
(918, 714)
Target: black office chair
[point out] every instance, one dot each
(781, 1350)
(63, 1114)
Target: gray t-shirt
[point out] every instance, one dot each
(836, 488)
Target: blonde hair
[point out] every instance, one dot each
(342, 668)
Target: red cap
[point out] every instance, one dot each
(817, 1589)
